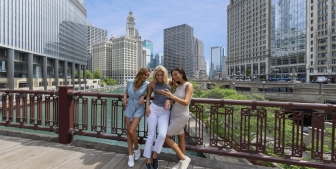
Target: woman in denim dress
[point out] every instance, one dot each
(133, 111)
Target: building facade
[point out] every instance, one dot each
(178, 48)
(199, 59)
(38, 50)
(150, 59)
(321, 40)
(94, 35)
(224, 68)
(126, 53)
(288, 39)
(248, 38)
(216, 62)
(159, 59)
(102, 57)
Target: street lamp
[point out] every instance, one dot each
(276, 73)
(320, 81)
(263, 86)
(233, 83)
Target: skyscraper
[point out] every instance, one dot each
(288, 38)
(321, 40)
(126, 53)
(216, 56)
(199, 59)
(94, 35)
(34, 46)
(159, 59)
(150, 59)
(178, 48)
(102, 56)
(248, 37)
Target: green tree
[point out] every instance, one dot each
(248, 72)
(89, 74)
(76, 74)
(97, 74)
(110, 81)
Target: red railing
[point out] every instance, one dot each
(253, 128)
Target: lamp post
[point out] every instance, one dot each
(233, 88)
(320, 81)
(276, 73)
(263, 86)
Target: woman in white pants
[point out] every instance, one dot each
(156, 115)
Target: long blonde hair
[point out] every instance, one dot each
(138, 81)
(165, 74)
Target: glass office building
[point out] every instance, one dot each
(216, 66)
(41, 40)
(288, 38)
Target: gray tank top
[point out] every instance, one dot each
(159, 99)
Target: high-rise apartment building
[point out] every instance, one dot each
(199, 59)
(94, 35)
(248, 38)
(216, 56)
(178, 48)
(288, 39)
(126, 53)
(102, 57)
(150, 59)
(41, 51)
(321, 39)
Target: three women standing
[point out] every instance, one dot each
(133, 111)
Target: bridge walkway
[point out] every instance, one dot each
(26, 153)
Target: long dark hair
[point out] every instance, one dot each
(182, 72)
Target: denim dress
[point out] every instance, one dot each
(133, 109)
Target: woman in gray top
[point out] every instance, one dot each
(156, 115)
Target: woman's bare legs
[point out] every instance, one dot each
(181, 141)
(132, 135)
(171, 143)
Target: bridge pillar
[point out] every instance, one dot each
(65, 115)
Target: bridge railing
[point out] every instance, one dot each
(254, 129)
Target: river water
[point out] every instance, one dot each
(100, 140)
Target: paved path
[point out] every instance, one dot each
(26, 153)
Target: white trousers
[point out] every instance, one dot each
(158, 116)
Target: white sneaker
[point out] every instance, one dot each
(177, 166)
(130, 161)
(137, 154)
(185, 163)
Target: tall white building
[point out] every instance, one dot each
(126, 53)
(199, 60)
(321, 40)
(101, 56)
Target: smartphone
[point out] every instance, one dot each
(157, 92)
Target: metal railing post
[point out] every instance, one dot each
(66, 115)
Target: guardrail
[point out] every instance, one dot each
(255, 129)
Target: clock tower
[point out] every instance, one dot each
(130, 25)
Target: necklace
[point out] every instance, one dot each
(180, 86)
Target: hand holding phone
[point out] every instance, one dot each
(157, 92)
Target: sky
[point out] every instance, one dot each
(207, 17)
